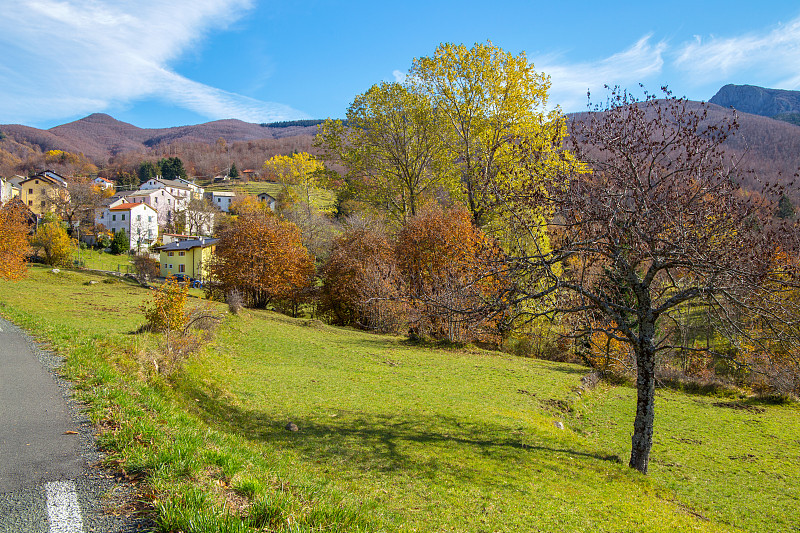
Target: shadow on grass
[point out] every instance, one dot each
(571, 369)
(387, 442)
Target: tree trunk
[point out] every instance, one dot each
(642, 439)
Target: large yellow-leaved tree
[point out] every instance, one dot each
(298, 173)
(13, 240)
(392, 147)
(52, 239)
(490, 101)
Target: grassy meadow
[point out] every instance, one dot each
(394, 436)
(323, 198)
(99, 260)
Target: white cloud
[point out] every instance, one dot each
(399, 76)
(571, 81)
(68, 57)
(773, 55)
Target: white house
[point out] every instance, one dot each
(159, 199)
(5, 191)
(139, 220)
(268, 199)
(221, 199)
(103, 183)
(175, 188)
(197, 191)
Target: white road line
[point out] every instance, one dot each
(63, 511)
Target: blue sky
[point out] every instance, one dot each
(159, 64)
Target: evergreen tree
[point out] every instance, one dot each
(127, 180)
(234, 172)
(147, 170)
(785, 208)
(121, 243)
(172, 168)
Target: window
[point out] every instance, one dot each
(181, 254)
(123, 216)
(37, 182)
(30, 191)
(181, 268)
(170, 267)
(150, 218)
(103, 214)
(156, 200)
(30, 203)
(113, 217)
(138, 218)
(171, 254)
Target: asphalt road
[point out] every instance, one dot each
(49, 478)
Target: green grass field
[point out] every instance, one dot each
(323, 198)
(397, 437)
(97, 260)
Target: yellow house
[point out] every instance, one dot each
(187, 257)
(42, 192)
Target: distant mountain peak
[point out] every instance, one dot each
(94, 120)
(95, 117)
(758, 100)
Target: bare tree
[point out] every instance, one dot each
(199, 217)
(76, 203)
(654, 221)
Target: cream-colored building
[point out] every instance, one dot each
(42, 192)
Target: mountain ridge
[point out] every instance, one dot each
(100, 136)
(781, 104)
(770, 147)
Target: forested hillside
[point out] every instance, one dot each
(769, 147)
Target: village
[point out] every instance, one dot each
(169, 220)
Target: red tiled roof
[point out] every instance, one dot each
(127, 206)
(123, 207)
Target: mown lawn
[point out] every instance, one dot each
(397, 437)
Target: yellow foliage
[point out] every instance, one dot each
(53, 240)
(81, 164)
(13, 241)
(393, 148)
(298, 173)
(497, 105)
(167, 309)
(609, 354)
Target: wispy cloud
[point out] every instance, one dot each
(68, 57)
(570, 82)
(774, 55)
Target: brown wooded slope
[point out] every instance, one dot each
(770, 147)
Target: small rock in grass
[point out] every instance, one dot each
(55, 271)
(93, 282)
(559, 425)
(291, 426)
